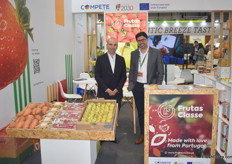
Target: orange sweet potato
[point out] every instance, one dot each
(27, 123)
(20, 113)
(12, 124)
(19, 124)
(47, 104)
(40, 105)
(38, 110)
(27, 111)
(21, 118)
(44, 109)
(33, 124)
(30, 117)
(32, 105)
(38, 117)
(33, 111)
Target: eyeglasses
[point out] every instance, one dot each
(141, 40)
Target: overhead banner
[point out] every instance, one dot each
(180, 128)
(124, 27)
(184, 28)
(149, 5)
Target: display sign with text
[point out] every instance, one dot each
(180, 128)
(124, 27)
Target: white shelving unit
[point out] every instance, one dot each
(225, 99)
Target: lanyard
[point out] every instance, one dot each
(141, 64)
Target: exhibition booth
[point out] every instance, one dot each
(183, 123)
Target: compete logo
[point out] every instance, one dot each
(95, 7)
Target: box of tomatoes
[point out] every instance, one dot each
(99, 114)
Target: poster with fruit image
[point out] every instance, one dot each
(124, 27)
(180, 126)
(15, 24)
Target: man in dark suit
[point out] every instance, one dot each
(146, 68)
(110, 73)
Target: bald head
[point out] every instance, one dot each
(112, 45)
(112, 40)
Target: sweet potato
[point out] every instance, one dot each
(38, 117)
(21, 118)
(33, 111)
(32, 105)
(44, 109)
(47, 104)
(38, 110)
(30, 117)
(27, 123)
(19, 124)
(20, 113)
(34, 123)
(40, 105)
(12, 124)
(17, 119)
(27, 111)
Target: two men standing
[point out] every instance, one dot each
(146, 68)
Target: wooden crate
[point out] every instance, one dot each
(98, 125)
(53, 133)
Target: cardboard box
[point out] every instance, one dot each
(18, 159)
(223, 62)
(81, 125)
(223, 73)
(12, 147)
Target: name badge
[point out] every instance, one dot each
(140, 74)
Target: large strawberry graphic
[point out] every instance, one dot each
(130, 35)
(109, 20)
(13, 42)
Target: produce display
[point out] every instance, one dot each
(62, 116)
(99, 112)
(30, 116)
(63, 121)
(65, 115)
(46, 116)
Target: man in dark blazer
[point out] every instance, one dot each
(110, 73)
(146, 68)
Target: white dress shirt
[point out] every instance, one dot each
(112, 60)
(142, 66)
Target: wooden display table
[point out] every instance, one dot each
(63, 134)
(67, 145)
(180, 124)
